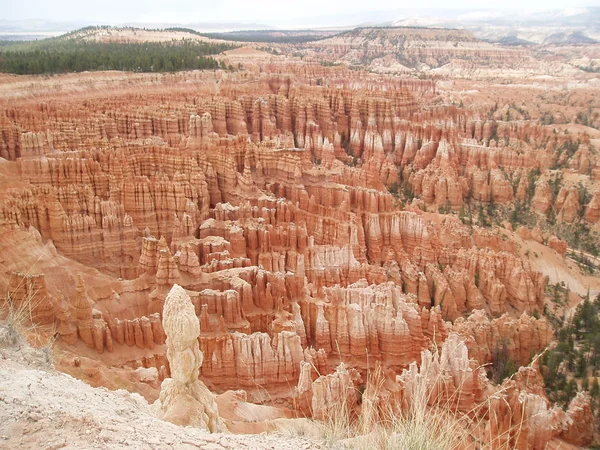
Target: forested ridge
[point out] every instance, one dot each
(68, 55)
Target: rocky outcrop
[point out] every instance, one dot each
(515, 414)
(558, 245)
(446, 378)
(417, 47)
(542, 199)
(522, 401)
(374, 322)
(567, 204)
(518, 339)
(578, 425)
(29, 298)
(244, 360)
(185, 400)
(330, 395)
(592, 211)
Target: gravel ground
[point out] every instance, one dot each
(41, 408)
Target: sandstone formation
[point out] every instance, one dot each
(592, 213)
(185, 400)
(520, 338)
(432, 47)
(557, 245)
(577, 427)
(325, 228)
(516, 414)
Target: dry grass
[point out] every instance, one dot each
(19, 327)
(425, 423)
(383, 425)
(18, 320)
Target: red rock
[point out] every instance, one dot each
(579, 426)
(592, 212)
(267, 195)
(557, 245)
(567, 203)
(523, 337)
(542, 200)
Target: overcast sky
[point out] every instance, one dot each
(257, 11)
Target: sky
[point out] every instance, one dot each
(247, 11)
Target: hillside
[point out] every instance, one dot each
(105, 48)
(137, 35)
(273, 36)
(410, 47)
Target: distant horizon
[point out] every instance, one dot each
(266, 13)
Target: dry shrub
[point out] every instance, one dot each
(18, 327)
(423, 422)
(382, 424)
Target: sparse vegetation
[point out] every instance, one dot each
(503, 366)
(563, 153)
(18, 326)
(589, 118)
(465, 214)
(429, 420)
(547, 118)
(575, 359)
(579, 236)
(584, 262)
(382, 425)
(446, 208)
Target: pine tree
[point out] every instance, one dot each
(595, 389)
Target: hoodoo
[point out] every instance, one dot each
(184, 399)
(332, 231)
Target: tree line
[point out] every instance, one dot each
(79, 56)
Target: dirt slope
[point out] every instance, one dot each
(44, 409)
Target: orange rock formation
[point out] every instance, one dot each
(312, 216)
